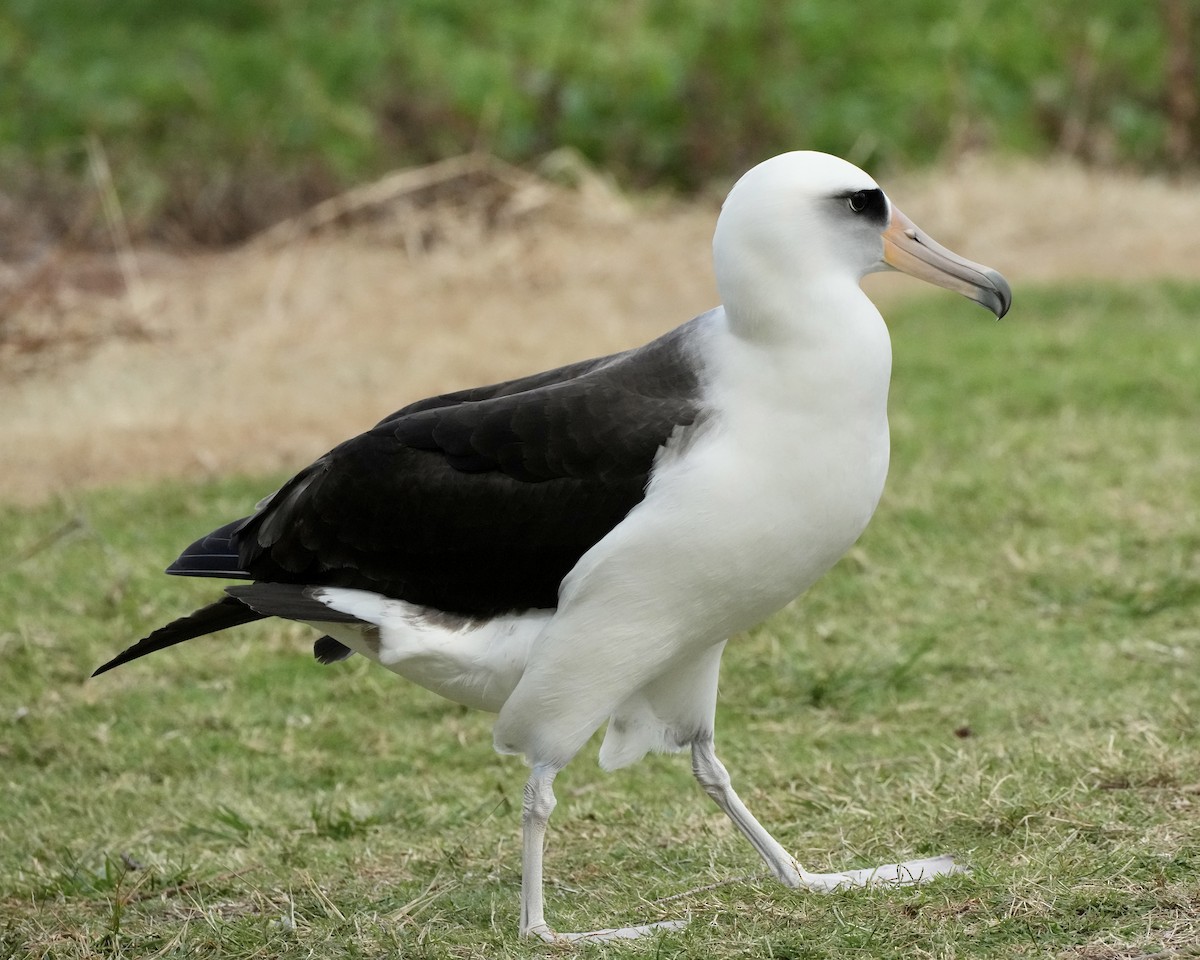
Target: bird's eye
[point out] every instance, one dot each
(857, 201)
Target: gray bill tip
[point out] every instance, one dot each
(997, 297)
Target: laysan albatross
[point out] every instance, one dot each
(578, 545)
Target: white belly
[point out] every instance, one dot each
(473, 662)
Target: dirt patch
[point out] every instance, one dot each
(264, 357)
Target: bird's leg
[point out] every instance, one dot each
(535, 814)
(714, 778)
(539, 803)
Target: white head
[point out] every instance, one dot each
(807, 220)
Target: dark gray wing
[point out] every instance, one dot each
(477, 502)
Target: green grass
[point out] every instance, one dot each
(1004, 668)
(218, 114)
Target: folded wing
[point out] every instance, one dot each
(477, 502)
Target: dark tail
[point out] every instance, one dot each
(226, 612)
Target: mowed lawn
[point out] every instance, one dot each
(1006, 668)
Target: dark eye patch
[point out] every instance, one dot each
(870, 204)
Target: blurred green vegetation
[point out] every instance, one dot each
(216, 115)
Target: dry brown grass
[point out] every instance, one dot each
(263, 357)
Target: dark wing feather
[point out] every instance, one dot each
(478, 502)
(503, 389)
(291, 601)
(213, 555)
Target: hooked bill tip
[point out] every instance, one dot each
(1000, 298)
